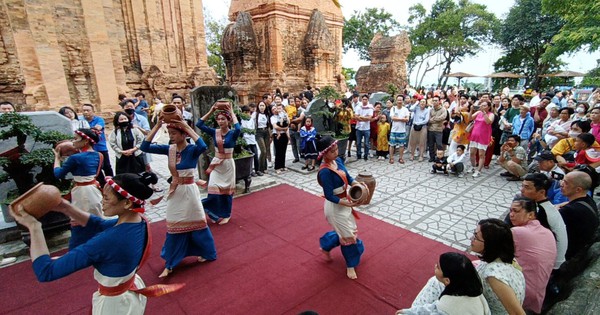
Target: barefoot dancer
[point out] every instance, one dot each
(221, 183)
(187, 231)
(117, 250)
(334, 179)
(86, 194)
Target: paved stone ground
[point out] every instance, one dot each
(438, 207)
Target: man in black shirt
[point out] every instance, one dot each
(580, 214)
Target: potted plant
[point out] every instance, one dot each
(25, 168)
(332, 118)
(243, 158)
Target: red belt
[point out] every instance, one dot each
(224, 155)
(92, 182)
(129, 285)
(118, 290)
(185, 180)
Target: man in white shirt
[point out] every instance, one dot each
(535, 98)
(363, 115)
(399, 116)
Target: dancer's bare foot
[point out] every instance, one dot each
(351, 273)
(224, 221)
(327, 255)
(165, 273)
(201, 259)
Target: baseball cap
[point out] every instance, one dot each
(545, 156)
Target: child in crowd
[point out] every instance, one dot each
(383, 130)
(249, 134)
(455, 161)
(308, 145)
(439, 163)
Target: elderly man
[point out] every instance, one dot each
(535, 251)
(513, 159)
(437, 116)
(523, 125)
(580, 214)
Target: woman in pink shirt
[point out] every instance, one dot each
(481, 134)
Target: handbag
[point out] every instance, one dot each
(470, 126)
(418, 127)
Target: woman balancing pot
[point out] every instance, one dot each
(334, 179)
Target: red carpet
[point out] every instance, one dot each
(268, 263)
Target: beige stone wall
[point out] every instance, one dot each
(280, 28)
(67, 52)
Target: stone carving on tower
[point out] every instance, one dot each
(68, 52)
(388, 64)
(282, 44)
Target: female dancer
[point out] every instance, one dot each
(117, 250)
(86, 194)
(187, 231)
(221, 183)
(334, 179)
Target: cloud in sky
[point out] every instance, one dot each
(481, 64)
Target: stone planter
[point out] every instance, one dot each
(342, 148)
(7, 217)
(243, 169)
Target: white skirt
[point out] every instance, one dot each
(128, 303)
(87, 198)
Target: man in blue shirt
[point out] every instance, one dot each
(97, 123)
(141, 105)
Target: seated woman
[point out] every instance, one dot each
(503, 282)
(117, 250)
(463, 292)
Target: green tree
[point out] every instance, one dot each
(524, 36)
(214, 34)
(451, 30)
(581, 27)
(592, 77)
(361, 27)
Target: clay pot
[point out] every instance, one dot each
(359, 193)
(65, 148)
(222, 104)
(171, 114)
(369, 180)
(38, 200)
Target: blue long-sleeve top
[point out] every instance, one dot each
(527, 130)
(228, 139)
(189, 155)
(115, 251)
(79, 164)
(331, 180)
(307, 136)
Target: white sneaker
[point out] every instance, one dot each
(8, 260)
(470, 170)
(461, 175)
(476, 174)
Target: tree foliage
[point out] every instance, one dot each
(592, 78)
(362, 26)
(581, 29)
(524, 36)
(214, 34)
(451, 30)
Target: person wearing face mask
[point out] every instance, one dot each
(125, 142)
(580, 112)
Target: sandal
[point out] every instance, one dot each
(391, 161)
(311, 168)
(412, 158)
(401, 161)
(305, 167)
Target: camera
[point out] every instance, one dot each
(476, 107)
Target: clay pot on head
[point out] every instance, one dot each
(39, 200)
(65, 148)
(222, 104)
(359, 193)
(368, 179)
(171, 113)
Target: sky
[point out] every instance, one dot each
(481, 64)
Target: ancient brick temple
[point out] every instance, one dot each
(55, 53)
(388, 64)
(282, 44)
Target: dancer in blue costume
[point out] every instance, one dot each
(334, 179)
(116, 251)
(86, 194)
(221, 183)
(187, 231)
